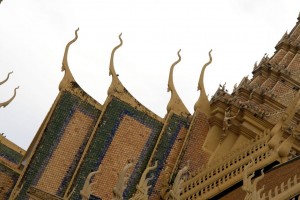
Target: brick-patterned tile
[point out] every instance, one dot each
(194, 152)
(128, 142)
(278, 56)
(65, 152)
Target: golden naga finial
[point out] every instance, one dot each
(203, 103)
(6, 78)
(175, 102)
(68, 77)
(4, 104)
(116, 85)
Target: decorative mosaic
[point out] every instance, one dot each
(168, 149)
(71, 116)
(278, 57)
(120, 125)
(8, 179)
(193, 152)
(9, 154)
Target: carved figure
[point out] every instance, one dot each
(227, 118)
(142, 187)
(87, 187)
(222, 87)
(121, 183)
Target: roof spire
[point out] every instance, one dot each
(68, 77)
(6, 78)
(175, 102)
(203, 104)
(4, 104)
(116, 85)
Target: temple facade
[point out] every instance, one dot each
(243, 145)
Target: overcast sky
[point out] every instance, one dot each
(33, 35)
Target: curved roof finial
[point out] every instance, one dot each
(116, 85)
(175, 102)
(203, 103)
(6, 78)
(68, 77)
(4, 104)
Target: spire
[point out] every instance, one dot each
(116, 85)
(68, 77)
(203, 104)
(4, 104)
(175, 102)
(6, 78)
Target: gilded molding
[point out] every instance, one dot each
(175, 102)
(203, 103)
(16, 192)
(4, 104)
(6, 78)
(116, 85)
(68, 78)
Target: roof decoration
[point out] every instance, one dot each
(143, 187)
(6, 78)
(4, 104)
(175, 104)
(87, 187)
(251, 187)
(116, 85)
(122, 182)
(68, 78)
(203, 103)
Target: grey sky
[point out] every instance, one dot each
(33, 35)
